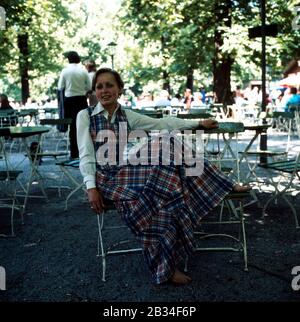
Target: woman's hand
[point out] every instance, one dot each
(208, 124)
(95, 200)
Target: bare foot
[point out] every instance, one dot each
(180, 278)
(239, 188)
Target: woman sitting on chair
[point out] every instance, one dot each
(160, 203)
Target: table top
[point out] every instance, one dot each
(7, 112)
(50, 109)
(23, 131)
(30, 112)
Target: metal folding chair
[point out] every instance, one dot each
(9, 200)
(114, 249)
(8, 179)
(66, 167)
(284, 122)
(56, 136)
(226, 155)
(288, 182)
(236, 218)
(296, 110)
(237, 240)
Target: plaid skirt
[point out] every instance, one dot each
(162, 206)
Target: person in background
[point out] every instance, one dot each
(197, 102)
(160, 203)
(294, 100)
(203, 94)
(188, 99)
(75, 82)
(239, 97)
(12, 120)
(4, 103)
(90, 66)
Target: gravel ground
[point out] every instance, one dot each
(53, 259)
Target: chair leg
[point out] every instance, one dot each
(236, 217)
(244, 243)
(12, 218)
(293, 210)
(275, 197)
(186, 264)
(100, 242)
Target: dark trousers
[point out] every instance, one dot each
(72, 105)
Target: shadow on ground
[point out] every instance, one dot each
(53, 258)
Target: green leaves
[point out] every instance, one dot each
(40, 22)
(156, 38)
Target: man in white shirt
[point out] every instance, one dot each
(75, 81)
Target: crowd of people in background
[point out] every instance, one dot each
(279, 99)
(187, 100)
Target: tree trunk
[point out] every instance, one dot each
(221, 74)
(222, 63)
(24, 65)
(190, 79)
(166, 76)
(166, 81)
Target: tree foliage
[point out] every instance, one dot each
(190, 27)
(160, 42)
(31, 43)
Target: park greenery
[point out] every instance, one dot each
(170, 44)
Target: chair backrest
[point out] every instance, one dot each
(288, 165)
(287, 115)
(8, 117)
(29, 111)
(294, 107)
(218, 110)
